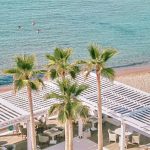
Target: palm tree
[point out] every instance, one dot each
(99, 57)
(70, 108)
(25, 75)
(59, 64)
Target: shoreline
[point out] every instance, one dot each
(123, 71)
(5, 88)
(123, 74)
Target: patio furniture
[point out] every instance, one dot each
(16, 126)
(43, 139)
(23, 124)
(112, 136)
(23, 131)
(49, 126)
(10, 147)
(87, 133)
(37, 122)
(52, 133)
(62, 134)
(118, 132)
(93, 120)
(136, 139)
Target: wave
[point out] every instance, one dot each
(131, 64)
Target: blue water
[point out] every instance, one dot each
(124, 25)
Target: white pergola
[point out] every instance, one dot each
(124, 103)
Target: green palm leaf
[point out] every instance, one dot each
(69, 106)
(108, 73)
(108, 53)
(25, 74)
(54, 95)
(19, 84)
(54, 108)
(94, 51)
(80, 89)
(59, 64)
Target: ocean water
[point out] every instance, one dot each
(124, 25)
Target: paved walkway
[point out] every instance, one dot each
(78, 144)
(11, 139)
(86, 144)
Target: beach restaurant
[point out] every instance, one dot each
(129, 106)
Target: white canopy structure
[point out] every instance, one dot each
(122, 102)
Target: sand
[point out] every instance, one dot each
(5, 88)
(138, 77)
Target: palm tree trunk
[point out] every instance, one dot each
(70, 135)
(99, 101)
(33, 136)
(66, 135)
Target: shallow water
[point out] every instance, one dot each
(124, 25)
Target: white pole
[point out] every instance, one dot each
(80, 128)
(29, 141)
(122, 142)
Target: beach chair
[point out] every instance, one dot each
(112, 136)
(23, 131)
(43, 139)
(136, 139)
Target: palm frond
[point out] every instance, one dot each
(39, 72)
(74, 70)
(34, 85)
(25, 62)
(81, 62)
(19, 84)
(94, 51)
(67, 53)
(10, 71)
(54, 108)
(80, 89)
(40, 81)
(83, 111)
(53, 73)
(53, 95)
(72, 88)
(108, 53)
(63, 85)
(89, 66)
(50, 57)
(62, 116)
(58, 53)
(108, 73)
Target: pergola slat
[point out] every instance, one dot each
(118, 101)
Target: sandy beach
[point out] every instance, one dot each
(138, 77)
(5, 88)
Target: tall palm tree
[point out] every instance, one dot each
(59, 64)
(69, 108)
(99, 57)
(25, 75)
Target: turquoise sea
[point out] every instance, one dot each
(124, 25)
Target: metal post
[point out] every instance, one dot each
(29, 141)
(122, 138)
(80, 128)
